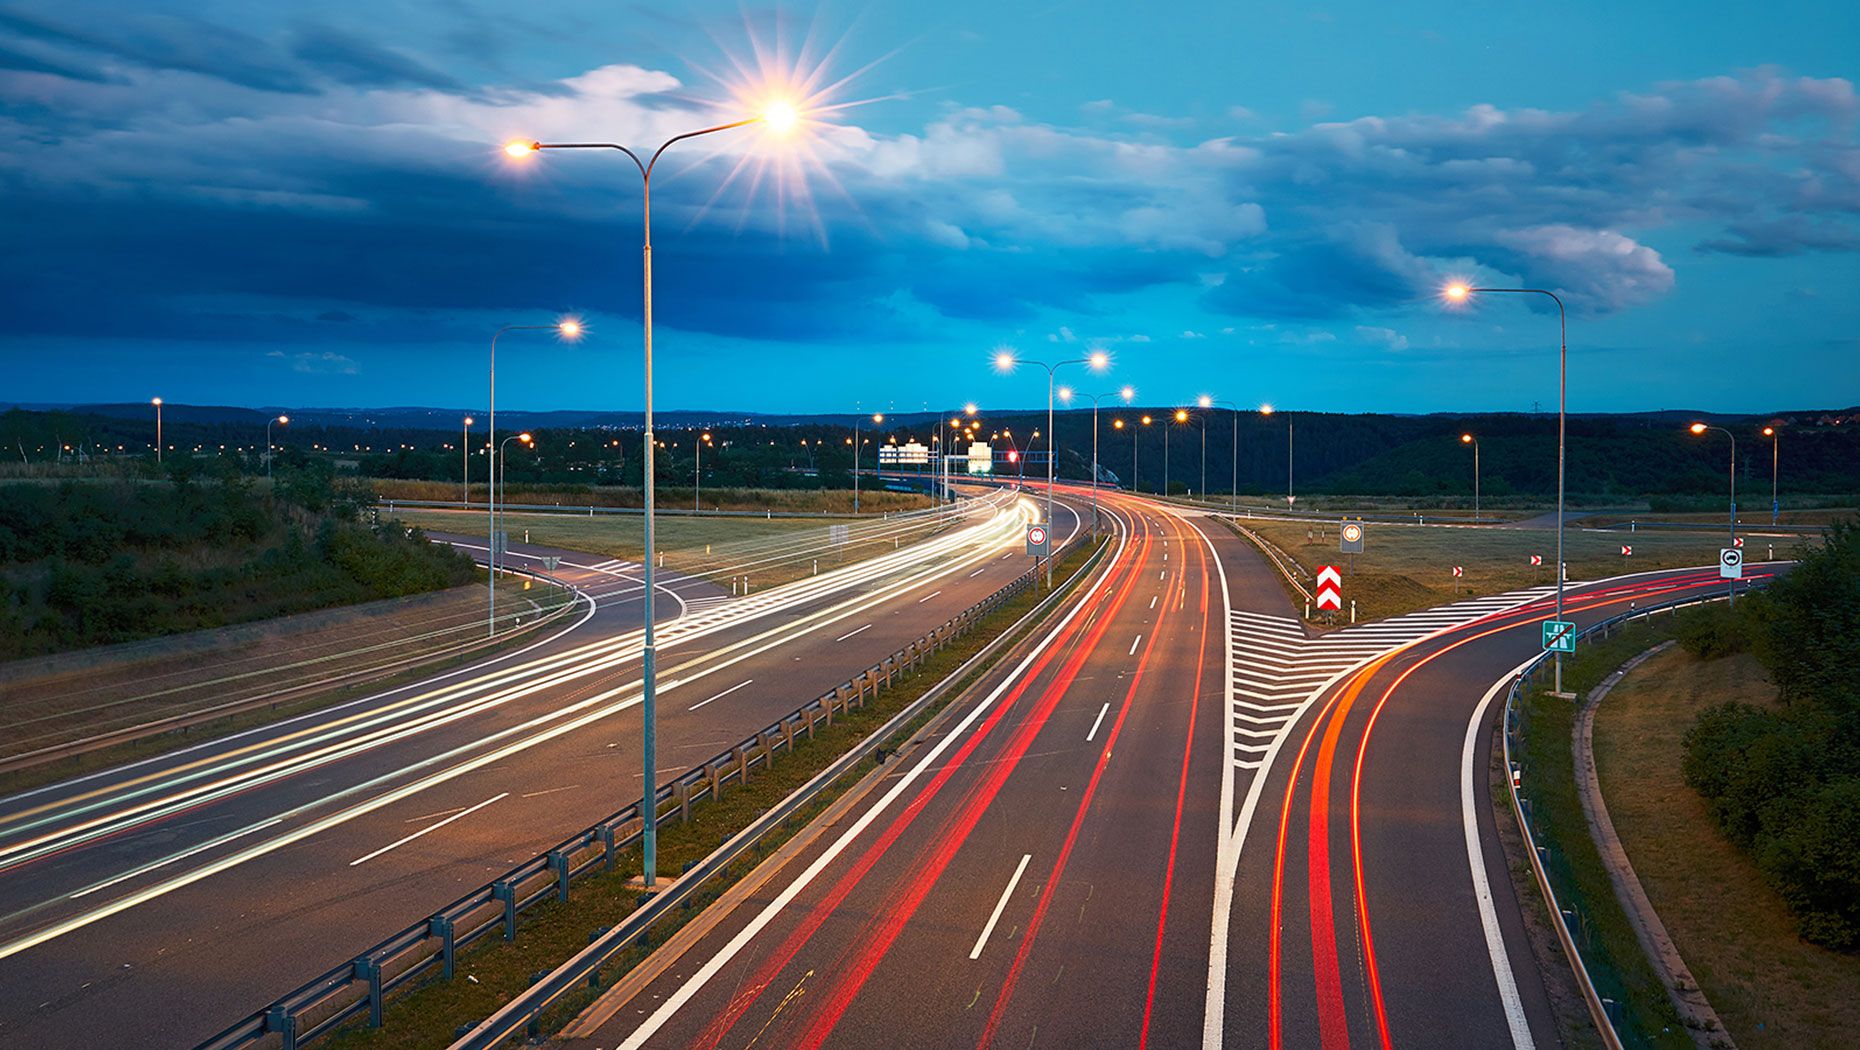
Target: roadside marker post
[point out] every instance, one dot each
(1329, 589)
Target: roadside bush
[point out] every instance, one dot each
(1785, 783)
(1712, 631)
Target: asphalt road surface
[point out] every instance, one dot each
(153, 904)
(1173, 818)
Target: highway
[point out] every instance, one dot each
(1174, 817)
(152, 904)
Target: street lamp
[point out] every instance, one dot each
(1180, 416)
(570, 329)
(697, 473)
(1468, 439)
(499, 488)
(877, 417)
(1266, 410)
(1097, 361)
(1459, 292)
(1133, 453)
(156, 401)
(1234, 490)
(780, 116)
(281, 421)
(1775, 437)
(1127, 393)
(1700, 428)
(465, 470)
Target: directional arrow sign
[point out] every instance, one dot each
(1329, 588)
(1459, 570)
(1537, 559)
(1738, 542)
(1559, 636)
(1626, 550)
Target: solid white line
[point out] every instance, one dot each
(1096, 722)
(396, 844)
(1133, 645)
(927, 597)
(1482, 888)
(1000, 905)
(735, 687)
(845, 636)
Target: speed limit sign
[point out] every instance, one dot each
(1350, 538)
(1731, 564)
(1038, 543)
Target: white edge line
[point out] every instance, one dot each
(1482, 888)
(1000, 906)
(396, 844)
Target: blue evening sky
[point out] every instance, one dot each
(260, 203)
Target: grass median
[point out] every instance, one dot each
(494, 971)
(1603, 933)
(1405, 568)
(1737, 936)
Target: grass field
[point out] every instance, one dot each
(1409, 567)
(767, 550)
(872, 500)
(1769, 987)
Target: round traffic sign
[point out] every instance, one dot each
(1730, 557)
(1036, 535)
(1352, 532)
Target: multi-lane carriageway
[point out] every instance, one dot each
(152, 904)
(1160, 821)
(1171, 818)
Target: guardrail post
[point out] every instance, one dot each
(369, 970)
(502, 890)
(558, 863)
(440, 926)
(742, 764)
(716, 781)
(607, 845)
(279, 1019)
(594, 975)
(787, 734)
(681, 790)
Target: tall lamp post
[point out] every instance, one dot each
(281, 421)
(877, 417)
(1127, 393)
(1775, 437)
(1097, 361)
(1700, 428)
(1234, 485)
(1266, 410)
(1458, 293)
(465, 466)
(780, 117)
(156, 401)
(697, 473)
(567, 328)
(1180, 416)
(1468, 439)
(498, 488)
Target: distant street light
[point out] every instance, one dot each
(1459, 292)
(281, 421)
(1266, 410)
(697, 473)
(1181, 416)
(1097, 361)
(497, 563)
(877, 417)
(1700, 428)
(570, 329)
(1133, 453)
(1127, 393)
(157, 403)
(1234, 485)
(1775, 437)
(780, 116)
(465, 468)
(1468, 439)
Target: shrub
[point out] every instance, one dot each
(1715, 630)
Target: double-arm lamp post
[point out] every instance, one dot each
(780, 117)
(1098, 361)
(1127, 393)
(1459, 293)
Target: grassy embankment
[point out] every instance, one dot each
(1409, 567)
(872, 501)
(1738, 937)
(493, 972)
(769, 551)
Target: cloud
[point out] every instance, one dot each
(326, 362)
(1387, 338)
(353, 60)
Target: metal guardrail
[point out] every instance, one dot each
(362, 985)
(1287, 565)
(1569, 921)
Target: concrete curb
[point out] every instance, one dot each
(1695, 1011)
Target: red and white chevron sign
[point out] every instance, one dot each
(1738, 542)
(1626, 550)
(1329, 588)
(1537, 559)
(1459, 570)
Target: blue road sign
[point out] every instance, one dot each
(1559, 636)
